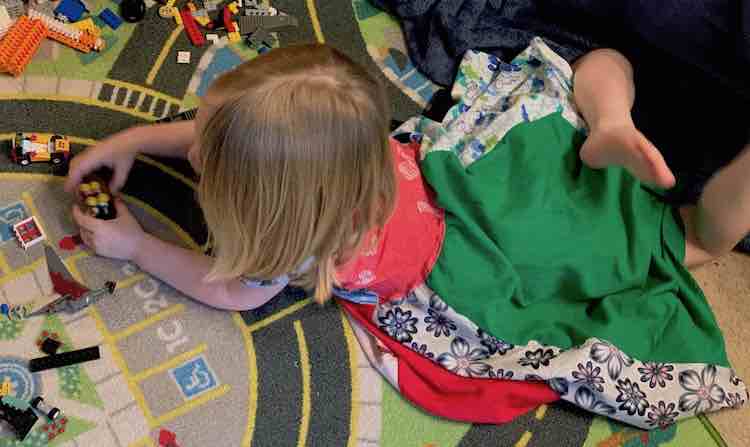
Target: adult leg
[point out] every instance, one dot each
(604, 93)
(722, 216)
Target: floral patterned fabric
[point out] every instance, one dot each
(596, 376)
(592, 372)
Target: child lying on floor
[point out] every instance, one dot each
(300, 183)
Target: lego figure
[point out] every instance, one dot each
(95, 199)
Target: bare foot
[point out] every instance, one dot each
(624, 145)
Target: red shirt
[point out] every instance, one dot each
(397, 257)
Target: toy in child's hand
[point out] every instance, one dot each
(95, 198)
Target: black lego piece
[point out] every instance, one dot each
(20, 421)
(133, 11)
(64, 359)
(50, 346)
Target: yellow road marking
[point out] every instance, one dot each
(190, 405)
(351, 346)
(252, 372)
(70, 262)
(145, 441)
(143, 324)
(75, 100)
(142, 89)
(168, 170)
(541, 411)
(525, 438)
(169, 364)
(120, 360)
(182, 234)
(125, 283)
(4, 266)
(304, 364)
(278, 315)
(163, 54)
(20, 271)
(315, 22)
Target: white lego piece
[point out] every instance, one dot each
(5, 21)
(213, 38)
(183, 57)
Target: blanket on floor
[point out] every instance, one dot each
(690, 58)
(599, 307)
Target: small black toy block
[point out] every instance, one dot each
(50, 346)
(64, 359)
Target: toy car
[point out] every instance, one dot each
(30, 148)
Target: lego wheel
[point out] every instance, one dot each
(57, 160)
(25, 161)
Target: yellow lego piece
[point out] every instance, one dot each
(178, 18)
(88, 25)
(234, 7)
(170, 3)
(202, 20)
(5, 387)
(234, 37)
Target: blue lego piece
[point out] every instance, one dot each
(110, 18)
(72, 9)
(4, 309)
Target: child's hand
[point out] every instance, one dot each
(118, 238)
(117, 152)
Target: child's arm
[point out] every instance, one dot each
(118, 151)
(123, 238)
(185, 269)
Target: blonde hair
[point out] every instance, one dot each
(295, 164)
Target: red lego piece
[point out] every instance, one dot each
(191, 28)
(227, 17)
(20, 44)
(167, 439)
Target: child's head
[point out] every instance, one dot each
(295, 163)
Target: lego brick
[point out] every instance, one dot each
(248, 24)
(72, 9)
(110, 18)
(5, 21)
(20, 44)
(191, 28)
(64, 359)
(183, 57)
(64, 33)
(14, 8)
(50, 346)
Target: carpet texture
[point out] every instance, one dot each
(290, 373)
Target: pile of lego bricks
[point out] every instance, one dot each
(255, 23)
(23, 29)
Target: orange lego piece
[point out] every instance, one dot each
(80, 44)
(20, 44)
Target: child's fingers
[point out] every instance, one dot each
(119, 177)
(84, 221)
(79, 167)
(88, 238)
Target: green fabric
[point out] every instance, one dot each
(540, 247)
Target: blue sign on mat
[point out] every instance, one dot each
(194, 377)
(9, 216)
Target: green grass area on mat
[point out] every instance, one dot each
(686, 433)
(68, 63)
(406, 426)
